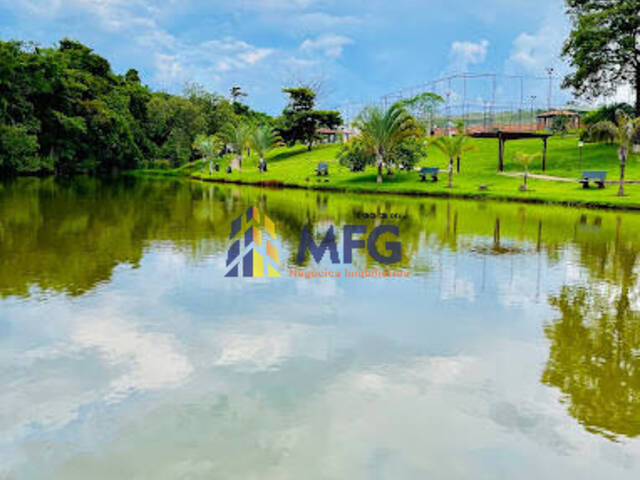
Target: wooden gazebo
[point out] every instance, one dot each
(503, 136)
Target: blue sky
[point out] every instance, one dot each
(358, 49)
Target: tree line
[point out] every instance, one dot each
(63, 110)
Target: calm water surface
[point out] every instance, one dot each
(512, 350)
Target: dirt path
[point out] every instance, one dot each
(562, 179)
(539, 177)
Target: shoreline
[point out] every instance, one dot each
(278, 184)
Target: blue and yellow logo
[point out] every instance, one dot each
(259, 256)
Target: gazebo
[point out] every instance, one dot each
(544, 120)
(503, 136)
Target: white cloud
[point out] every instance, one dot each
(255, 55)
(468, 53)
(331, 45)
(530, 52)
(535, 51)
(277, 4)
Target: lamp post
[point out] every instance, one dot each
(580, 145)
(549, 71)
(533, 119)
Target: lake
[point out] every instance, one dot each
(504, 343)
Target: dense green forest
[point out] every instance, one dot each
(63, 110)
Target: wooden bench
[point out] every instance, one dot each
(433, 171)
(322, 169)
(595, 176)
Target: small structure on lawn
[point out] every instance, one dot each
(329, 135)
(544, 120)
(503, 136)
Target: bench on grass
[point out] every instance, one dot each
(322, 169)
(595, 176)
(432, 171)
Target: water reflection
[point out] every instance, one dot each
(125, 353)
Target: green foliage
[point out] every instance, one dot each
(525, 160)
(560, 124)
(409, 152)
(354, 155)
(237, 138)
(87, 118)
(624, 132)
(606, 112)
(299, 121)
(383, 131)
(424, 106)
(209, 146)
(17, 149)
(453, 148)
(602, 47)
(262, 139)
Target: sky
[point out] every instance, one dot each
(357, 50)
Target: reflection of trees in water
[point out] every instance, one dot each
(594, 358)
(68, 235)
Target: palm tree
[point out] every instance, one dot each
(209, 146)
(237, 137)
(453, 147)
(525, 160)
(624, 133)
(236, 92)
(383, 130)
(263, 139)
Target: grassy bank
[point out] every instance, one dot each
(295, 167)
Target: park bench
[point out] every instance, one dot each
(322, 169)
(433, 171)
(595, 176)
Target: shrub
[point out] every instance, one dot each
(410, 151)
(18, 148)
(161, 163)
(354, 155)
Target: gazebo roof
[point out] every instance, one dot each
(509, 135)
(557, 113)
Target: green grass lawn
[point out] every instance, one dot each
(295, 166)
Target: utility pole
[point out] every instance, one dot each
(533, 99)
(549, 71)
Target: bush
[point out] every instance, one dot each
(606, 112)
(354, 155)
(409, 152)
(161, 163)
(560, 125)
(18, 148)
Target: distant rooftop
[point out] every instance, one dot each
(557, 113)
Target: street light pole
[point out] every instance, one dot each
(580, 145)
(533, 99)
(549, 71)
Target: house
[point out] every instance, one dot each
(544, 120)
(329, 135)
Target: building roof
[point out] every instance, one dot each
(557, 113)
(329, 130)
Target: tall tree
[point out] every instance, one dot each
(236, 93)
(299, 120)
(603, 47)
(424, 106)
(624, 132)
(382, 131)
